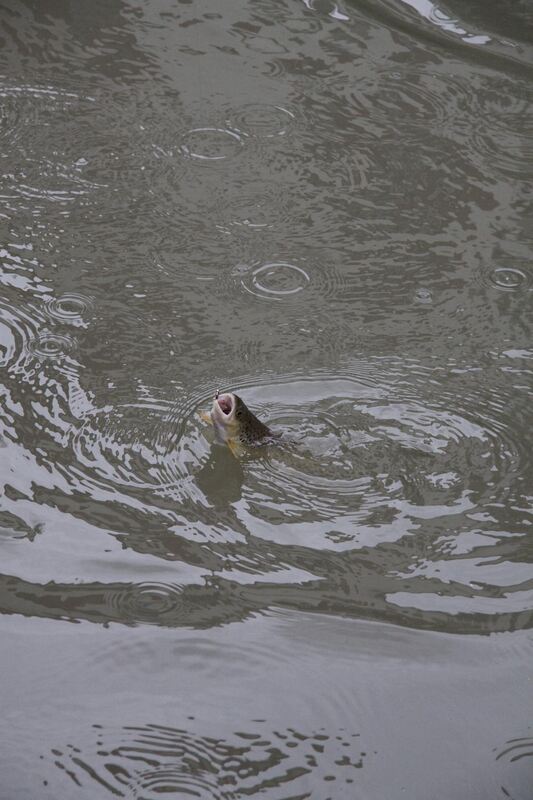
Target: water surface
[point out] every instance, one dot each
(327, 208)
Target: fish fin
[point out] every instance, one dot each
(236, 447)
(205, 417)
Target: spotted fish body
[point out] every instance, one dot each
(251, 429)
(234, 423)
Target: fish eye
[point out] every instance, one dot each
(238, 413)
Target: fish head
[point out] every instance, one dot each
(224, 413)
(232, 419)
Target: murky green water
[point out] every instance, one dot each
(326, 208)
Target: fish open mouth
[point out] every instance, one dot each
(225, 403)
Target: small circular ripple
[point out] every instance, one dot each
(144, 602)
(275, 280)
(284, 279)
(507, 278)
(250, 211)
(263, 121)
(211, 144)
(70, 307)
(254, 212)
(51, 345)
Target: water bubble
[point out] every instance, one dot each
(423, 296)
(211, 144)
(507, 278)
(50, 345)
(274, 280)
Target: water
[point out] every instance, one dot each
(325, 207)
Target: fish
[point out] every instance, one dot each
(235, 425)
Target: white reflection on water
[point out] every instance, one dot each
(438, 17)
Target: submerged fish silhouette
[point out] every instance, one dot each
(234, 423)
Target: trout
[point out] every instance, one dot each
(234, 423)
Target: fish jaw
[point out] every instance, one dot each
(223, 416)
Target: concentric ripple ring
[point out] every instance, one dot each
(507, 278)
(51, 345)
(70, 307)
(211, 144)
(144, 602)
(264, 121)
(276, 280)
